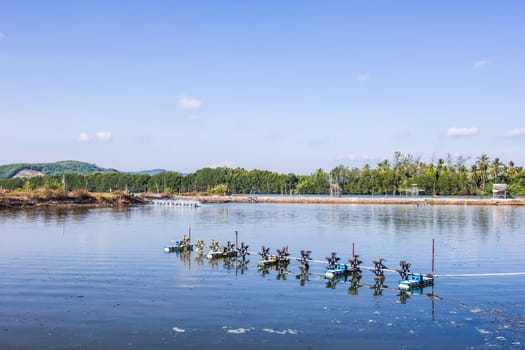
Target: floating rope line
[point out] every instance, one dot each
(446, 275)
(483, 274)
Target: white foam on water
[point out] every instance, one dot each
(455, 324)
(475, 310)
(239, 330)
(179, 330)
(284, 331)
(500, 338)
(483, 331)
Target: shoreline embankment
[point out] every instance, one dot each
(28, 200)
(354, 200)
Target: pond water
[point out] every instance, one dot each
(97, 278)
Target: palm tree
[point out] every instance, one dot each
(495, 169)
(383, 169)
(510, 171)
(474, 176)
(482, 164)
(463, 177)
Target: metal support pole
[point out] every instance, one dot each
(236, 239)
(432, 257)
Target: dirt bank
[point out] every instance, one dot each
(355, 200)
(50, 198)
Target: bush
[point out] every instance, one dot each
(219, 190)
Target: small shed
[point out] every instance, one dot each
(499, 191)
(413, 190)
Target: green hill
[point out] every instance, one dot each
(57, 168)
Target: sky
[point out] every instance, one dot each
(286, 86)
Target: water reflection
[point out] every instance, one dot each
(355, 285)
(378, 286)
(241, 266)
(303, 277)
(331, 283)
(48, 215)
(113, 257)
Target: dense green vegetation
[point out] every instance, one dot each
(445, 177)
(50, 169)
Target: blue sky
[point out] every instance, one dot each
(289, 86)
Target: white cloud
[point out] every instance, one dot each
(479, 64)
(100, 136)
(515, 132)
(363, 77)
(84, 137)
(462, 131)
(223, 164)
(188, 102)
(2, 35)
(103, 136)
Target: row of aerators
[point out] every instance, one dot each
(334, 269)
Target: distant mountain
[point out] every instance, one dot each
(49, 169)
(146, 172)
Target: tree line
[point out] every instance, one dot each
(450, 176)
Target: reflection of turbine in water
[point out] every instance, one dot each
(378, 287)
(242, 265)
(304, 260)
(265, 269)
(354, 285)
(199, 259)
(303, 277)
(331, 283)
(185, 257)
(228, 263)
(281, 273)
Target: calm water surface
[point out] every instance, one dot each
(98, 279)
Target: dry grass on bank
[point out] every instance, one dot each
(61, 197)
